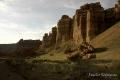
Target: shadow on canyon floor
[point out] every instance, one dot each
(100, 50)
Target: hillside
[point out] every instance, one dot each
(108, 43)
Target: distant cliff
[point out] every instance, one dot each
(27, 47)
(22, 47)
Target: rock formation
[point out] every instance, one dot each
(28, 47)
(64, 31)
(117, 10)
(45, 40)
(91, 20)
(112, 15)
(54, 34)
(50, 40)
(29, 43)
(88, 22)
(109, 17)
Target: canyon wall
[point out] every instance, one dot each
(45, 41)
(117, 10)
(89, 21)
(64, 31)
(50, 39)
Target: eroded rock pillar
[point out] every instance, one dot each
(83, 28)
(90, 30)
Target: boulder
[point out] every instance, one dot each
(73, 56)
(86, 50)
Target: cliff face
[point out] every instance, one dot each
(91, 20)
(88, 22)
(117, 10)
(45, 40)
(53, 36)
(50, 40)
(29, 43)
(64, 31)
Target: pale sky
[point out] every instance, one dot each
(30, 19)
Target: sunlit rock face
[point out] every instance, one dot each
(64, 31)
(91, 20)
(88, 22)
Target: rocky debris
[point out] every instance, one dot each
(89, 56)
(64, 31)
(85, 51)
(86, 48)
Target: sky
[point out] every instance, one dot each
(30, 19)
